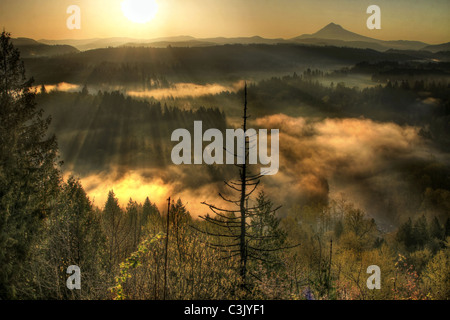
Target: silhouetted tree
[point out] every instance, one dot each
(28, 174)
(85, 90)
(235, 236)
(420, 231)
(437, 230)
(115, 226)
(447, 227)
(405, 234)
(72, 236)
(134, 225)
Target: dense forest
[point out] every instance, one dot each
(203, 64)
(314, 249)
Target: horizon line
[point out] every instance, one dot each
(219, 36)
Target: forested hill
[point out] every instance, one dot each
(132, 65)
(30, 48)
(97, 132)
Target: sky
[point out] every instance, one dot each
(422, 20)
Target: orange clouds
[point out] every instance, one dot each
(357, 156)
(318, 159)
(181, 90)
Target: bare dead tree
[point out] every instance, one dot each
(166, 249)
(232, 232)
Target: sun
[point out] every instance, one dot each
(140, 11)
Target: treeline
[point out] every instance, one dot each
(423, 235)
(420, 72)
(183, 64)
(421, 103)
(395, 71)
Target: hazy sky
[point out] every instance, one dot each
(422, 20)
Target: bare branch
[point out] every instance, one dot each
(228, 200)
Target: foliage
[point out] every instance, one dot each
(134, 261)
(72, 235)
(28, 173)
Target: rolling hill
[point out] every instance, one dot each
(438, 47)
(30, 48)
(331, 35)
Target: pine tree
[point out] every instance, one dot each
(447, 227)
(73, 236)
(265, 228)
(151, 218)
(28, 169)
(115, 227)
(437, 230)
(180, 218)
(420, 232)
(146, 211)
(405, 234)
(338, 229)
(134, 224)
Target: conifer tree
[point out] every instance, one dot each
(72, 236)
(115, 226)
(28, 170)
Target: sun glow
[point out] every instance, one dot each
(131, 185)
(140, 11)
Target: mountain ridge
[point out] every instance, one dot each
(30, 48)
(331, 35)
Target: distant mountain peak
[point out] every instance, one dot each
(335, 31)
(335, 35)
(332, 26)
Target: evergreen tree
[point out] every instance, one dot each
(115, 227)
(146, 211)
(180, 219)
(179, 214)
(73, 236)
(269, 237)
(28, 174)
(338, 229)
(437, 230)
(447, 227)
(151, 218)
(149, 211)
(85, 90)
(420, 231)
(405, 234)
(266, 225)
(134, 222)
